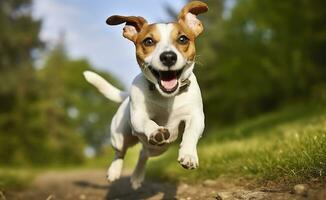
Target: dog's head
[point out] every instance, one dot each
(165, 51)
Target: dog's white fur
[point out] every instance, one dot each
(108, 90)
(144, 113)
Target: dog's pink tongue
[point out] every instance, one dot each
(169, 84)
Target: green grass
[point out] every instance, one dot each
(288, 145)
(15, 178)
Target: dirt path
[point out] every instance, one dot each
(91, 185)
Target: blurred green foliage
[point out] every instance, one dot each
(48, 115)
(18, 37)
(261, 55)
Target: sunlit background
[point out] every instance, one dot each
(261, 66)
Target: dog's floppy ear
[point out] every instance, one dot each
(188, 16)
(133, 25)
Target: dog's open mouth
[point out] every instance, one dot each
(168, 80)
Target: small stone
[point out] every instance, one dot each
(209, 183)
(224, 196)
(301, 189)
(50, 197)
(218, 197)
(82, 196)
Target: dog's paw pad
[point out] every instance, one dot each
(188, 161)
(160, 137)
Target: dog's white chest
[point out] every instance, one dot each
(169, 112)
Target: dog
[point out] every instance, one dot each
(164, 100)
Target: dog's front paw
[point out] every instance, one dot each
(188, 161)
(159, 137)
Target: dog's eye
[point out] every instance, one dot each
(183, 39)
(148, 42)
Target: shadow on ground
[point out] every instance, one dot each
(121, 190)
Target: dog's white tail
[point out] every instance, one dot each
(108, 90)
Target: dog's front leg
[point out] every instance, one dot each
(194, 128)
(143, 125)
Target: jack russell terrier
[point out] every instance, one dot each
(165, 99)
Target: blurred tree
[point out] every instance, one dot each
(18, 39)
(71, 107)
(63, 140)
(260, 55)
(49, 115)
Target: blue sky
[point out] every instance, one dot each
(87, 35)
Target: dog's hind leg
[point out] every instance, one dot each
(138, 175)
(120, 142)
(121, 139)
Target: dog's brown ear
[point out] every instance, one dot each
(188, 16)
(133, 25)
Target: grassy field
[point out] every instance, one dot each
(288, 145)
(16, 178)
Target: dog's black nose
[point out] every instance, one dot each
(168, 58)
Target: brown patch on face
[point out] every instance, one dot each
(143, 50)
(187, 49)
